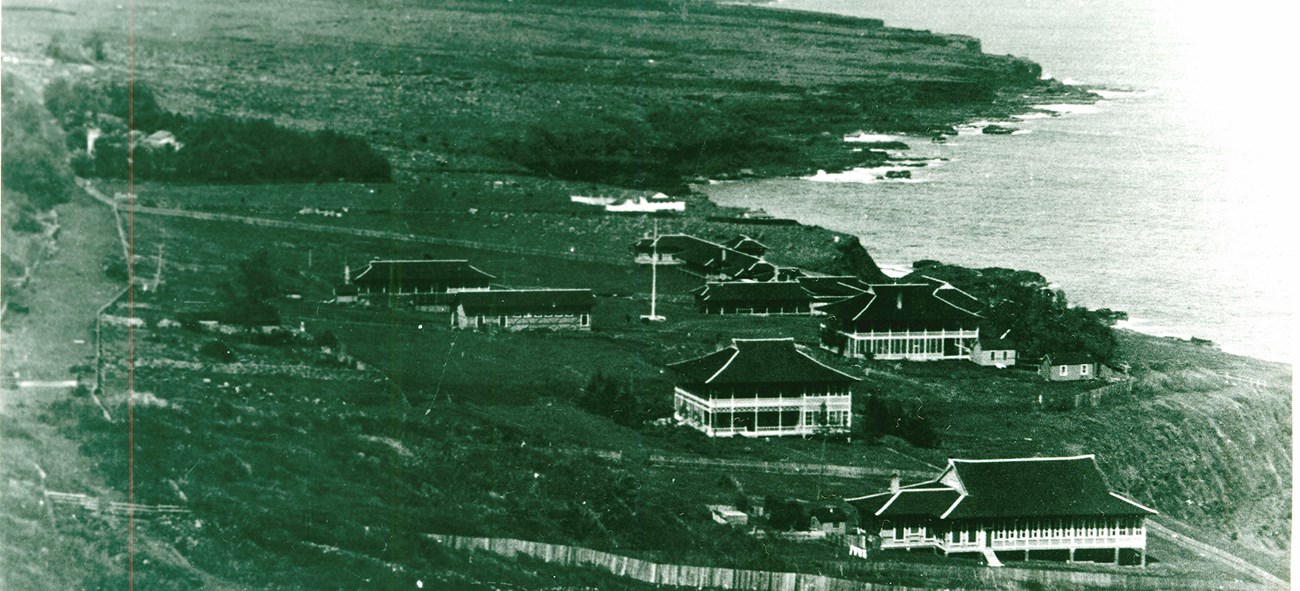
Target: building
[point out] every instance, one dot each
(754, 298)
(747, 245)
(1068, 367)
(919, 321)
(761, 388)
(345, 293)
(798, 515)
(696, 256)
(656, 203)
(524, 309)
(765, 271)
(993, 352)
(408, 277)
(1023, 508)
(828, 289)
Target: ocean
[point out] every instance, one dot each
(1169, 199)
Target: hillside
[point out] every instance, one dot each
(320, 460)
(641, 93)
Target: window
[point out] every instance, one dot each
(1065, 370)
(1083, 369)
(586, 319)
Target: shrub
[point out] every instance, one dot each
(218, 350)
(214, 149)
(885, 417)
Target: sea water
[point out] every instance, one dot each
(1168, 199)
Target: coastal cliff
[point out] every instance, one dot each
(638, 94)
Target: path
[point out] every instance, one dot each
(1156, 529)
(345, 230)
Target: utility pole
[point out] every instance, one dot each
(654, 277)
(157, 274)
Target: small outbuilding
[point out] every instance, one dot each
(525, 309)
(1068, 367)
(993, 352)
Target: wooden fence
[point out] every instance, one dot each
(113, 508)
(946, 576)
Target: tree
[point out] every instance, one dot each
(248, 295)
(607, 397)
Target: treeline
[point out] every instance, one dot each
(35, 160)
(1039, 319)
(657, 150)
(903, 419)
(103, 119)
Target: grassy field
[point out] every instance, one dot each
(303, 471)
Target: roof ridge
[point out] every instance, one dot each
(810, 358)
(1032, 459)
(735, 353)
(759, 339)
(419, 261)
(1132, 502)
(961, 497)
(527, 289)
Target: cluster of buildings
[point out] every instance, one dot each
(467, 295)
(762, 387)
(1020, 508)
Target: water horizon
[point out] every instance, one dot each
(1154, 200)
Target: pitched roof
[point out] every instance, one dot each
(1038, 487)
(746, 244)
(760, 361)
(1018, 487)
(838, 287)
(902, 304)
(539, 301)
(1069, 358)
(380, 272)
(752, 291)
(696, 251)
(995, 343)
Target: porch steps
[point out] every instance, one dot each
(991, 557)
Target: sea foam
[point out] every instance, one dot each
(861, 175)
(863, 137)
(1068, 108)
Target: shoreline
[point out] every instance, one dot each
(899, 159)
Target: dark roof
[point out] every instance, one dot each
(540, 301)
(1021, 487)
(1069, 358)
(991, 343)
(746, 244)
(834, 287)
(907, 304)
(759, 361)
(751, 291)
(1038, 487)
(380, 272)
(697, 251)
(830, 514)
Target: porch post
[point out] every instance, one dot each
(1116, 555)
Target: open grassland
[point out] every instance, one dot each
(526, 383)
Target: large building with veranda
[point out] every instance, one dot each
(762, 388)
